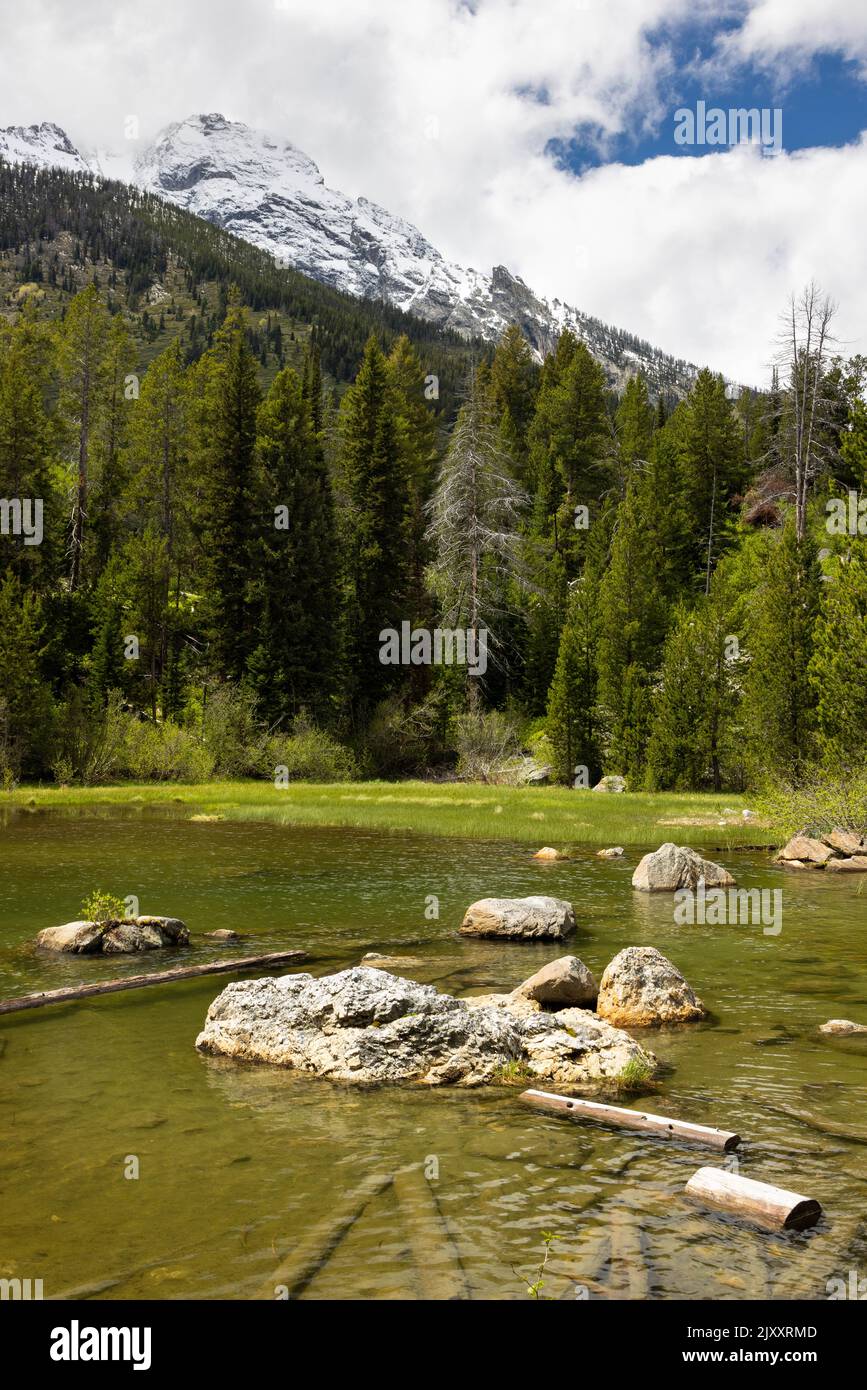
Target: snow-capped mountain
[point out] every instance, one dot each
(43, 144)
(273, 195)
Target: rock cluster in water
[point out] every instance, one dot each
(121, 936)
(367, 1027)
(840, 851)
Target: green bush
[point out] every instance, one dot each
(486, 741)
(164, 753)
(404, 739)
(103, 907)
(233, 733)
(817, 799)
(309, 755)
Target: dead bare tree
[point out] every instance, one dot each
(805, 341)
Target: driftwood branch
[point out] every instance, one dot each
(157, 977)
(632, 1119)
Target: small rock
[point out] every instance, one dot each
(615, 852)
(794, 864)
(223, 934)
(842, 1026)
(640, 988)
(856, 865)
(548, 853)
(611, 784)
(674, 866)
(560, 984)
(376, 961)
(802, 847)
(519, 918)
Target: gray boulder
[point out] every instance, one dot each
(611, 784)
(123, 936)
(526, 919)
(367, 1027)
(641, 988)
(842, 1027)
(675, 866)
(561, 983)
(806, 850)
(844, 841)
(856, 865)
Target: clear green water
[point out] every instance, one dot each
(238, 1163)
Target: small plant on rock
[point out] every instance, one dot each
(103, 907)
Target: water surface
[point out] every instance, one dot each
(239, 1163)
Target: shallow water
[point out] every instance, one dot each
(238, 1164)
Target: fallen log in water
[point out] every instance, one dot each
(628, 1274)
(770, 1206)
(632, 1119)
(292, 1276)
(157, 977)
(435, 1256)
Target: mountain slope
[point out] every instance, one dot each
(272, 194)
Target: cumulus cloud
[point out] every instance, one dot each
(445, 113)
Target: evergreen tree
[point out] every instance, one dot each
(572, 723)
(634, 425)
(227, 398)
(294, 665)
(712, 462)
(85, 346)
(780, 699)
(378, 530)
(26, 707)
(838, 665)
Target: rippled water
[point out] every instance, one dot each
(240, 1164)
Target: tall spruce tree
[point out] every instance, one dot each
(780, 699)
(294, 665)
(838, 665)
(713, 467)
(227, 398)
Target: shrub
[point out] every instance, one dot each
(103, 907)
(233, 733)
(403, 739)
(485, 742)
(817, 799)
(164, 753)
(309, 755)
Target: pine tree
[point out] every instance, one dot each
(227, 399)
(780, 699)
(26, 706)
(294, 665)
(84, 356)
(712, 462)
(475, 517)
(693, 743)
(634, 428)
(838, 666)
(572, 723)
(378, 533)
(514, 383)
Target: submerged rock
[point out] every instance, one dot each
(616, 852)
(675, 866)
(561, 983)
(641, 988)
(548, 852)
(520, 918)
(118, 937)
(367, 1027)
(223, 934)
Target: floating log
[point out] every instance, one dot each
(434, 1253)
(770, 1206)
(156, 977)
(318, 1245)
(632, 1119)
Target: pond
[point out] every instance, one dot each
(238, 1163)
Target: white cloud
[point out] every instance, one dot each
(442, 112)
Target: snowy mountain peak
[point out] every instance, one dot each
(45, 144)
(272, 194)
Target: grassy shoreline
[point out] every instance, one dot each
(556, 816)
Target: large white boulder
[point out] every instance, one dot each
(525, 919)
(675, 866)
(368, 1027)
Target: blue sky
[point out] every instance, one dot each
(823, 102)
